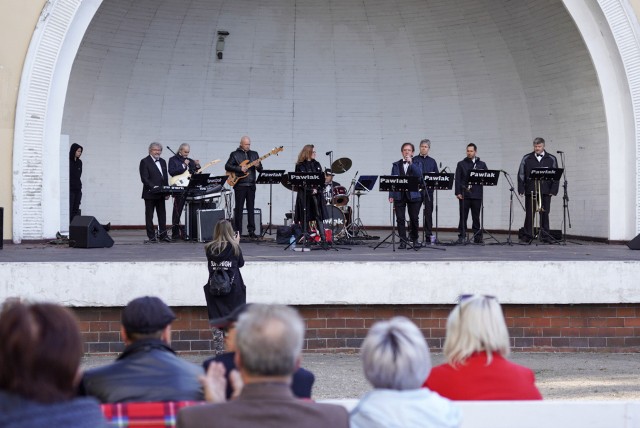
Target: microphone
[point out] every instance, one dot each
(559, 151)
(329, 152)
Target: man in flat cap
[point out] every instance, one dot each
(148, 369)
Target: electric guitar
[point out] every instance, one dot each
(182, 180)
(233, 178)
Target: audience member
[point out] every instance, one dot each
(224, 253)
(148, 369)
(396, 360)
(476, 347)
(269, 345)
(40, 353)
(302, 381)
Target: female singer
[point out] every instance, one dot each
(75, 182)
(311, 201)
(224, 251)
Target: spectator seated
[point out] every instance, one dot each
(148, 415)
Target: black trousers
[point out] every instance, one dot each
(244, 194)
(428, 215)
(75, 196)
(544, 215)
(178, 207)
(475, 205)
(158, 205)
(414, 213)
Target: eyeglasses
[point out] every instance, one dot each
(461, 298)
(227, 329)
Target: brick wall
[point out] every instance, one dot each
(533, 328)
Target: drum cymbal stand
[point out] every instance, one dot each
(356, 228)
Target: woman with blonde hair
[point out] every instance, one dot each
(476, 348)
(224, 253)
(310, 203)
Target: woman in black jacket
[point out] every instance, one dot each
(224, 253)
(311, 200)
(75, 183)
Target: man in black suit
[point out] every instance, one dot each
(469, 196)
(539, 158)
(411, 201)
(153, 173)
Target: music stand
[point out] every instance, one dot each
(483, 177)
(363, 186)
(304, 181)
(436, 181)
(538, 175)
(396, 183)
(270, 177)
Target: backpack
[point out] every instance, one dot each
(220, 282)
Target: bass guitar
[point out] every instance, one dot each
(182, 180)
(233, 178)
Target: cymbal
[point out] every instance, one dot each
(285, 182)
(341, 165)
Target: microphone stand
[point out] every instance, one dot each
(566, 216)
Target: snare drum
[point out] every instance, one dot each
(340, 197)
(334, 221)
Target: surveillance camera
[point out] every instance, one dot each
(219, 55)
(223, 33)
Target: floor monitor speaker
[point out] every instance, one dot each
(257, 218)
(86, 232)
(634, 244)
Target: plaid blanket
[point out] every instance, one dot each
(147, 415)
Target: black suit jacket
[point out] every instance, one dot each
(151, 177)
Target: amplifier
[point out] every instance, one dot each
(257, 215)
(205, 222)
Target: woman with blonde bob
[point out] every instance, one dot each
(395, 358)
(476, 348)
(224, 252)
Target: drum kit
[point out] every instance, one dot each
(337, 212)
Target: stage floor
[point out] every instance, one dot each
(129, 246)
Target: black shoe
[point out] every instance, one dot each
(478, 241)
(416, 245)
(153, 240)
(402, 246)
(253, 235)
(166, 239)
(460, 241)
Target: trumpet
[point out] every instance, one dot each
(539, 207)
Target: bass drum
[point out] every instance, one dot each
(334, 221)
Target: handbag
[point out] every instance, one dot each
(220, 282)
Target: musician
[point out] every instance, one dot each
(245, 189)
(179, 164)
(329, 185)
(75, 181)
(409, 200)
(539, 158)
(469, 196)
(428, 164)
(153, 173)
(310, 200)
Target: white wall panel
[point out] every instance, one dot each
(358, 78)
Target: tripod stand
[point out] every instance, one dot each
(511, 194)
(566, 216)
(436, 181)
(270, 177)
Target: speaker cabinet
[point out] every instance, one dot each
(634, 244)
(257, 216)
(86, 232)
(205, 222)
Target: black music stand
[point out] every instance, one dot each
(304, 181)
(539, 175)
(436, 181)
(512, 192)
(483, 177)
(270, 177)
(362, 186)
(397, 183)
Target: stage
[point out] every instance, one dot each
(556, 297)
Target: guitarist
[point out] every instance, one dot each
(245, 189)
(178, 164)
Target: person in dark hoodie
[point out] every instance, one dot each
(75, 183)
(224, 252)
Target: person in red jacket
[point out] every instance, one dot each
(476, 347)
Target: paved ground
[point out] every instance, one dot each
(560, 376)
